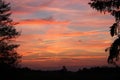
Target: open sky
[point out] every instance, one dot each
(61, 32)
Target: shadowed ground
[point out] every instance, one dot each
(96, 73)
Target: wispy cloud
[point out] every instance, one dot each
(41, 21)
(60, 30)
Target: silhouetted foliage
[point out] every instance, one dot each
(8, 33)
(112, 7)
(114, 51)
(113, 30)
(64, 69)
(95, 73)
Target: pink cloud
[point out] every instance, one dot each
(41, 21)
(51, 37)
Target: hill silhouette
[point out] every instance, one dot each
(95, 73)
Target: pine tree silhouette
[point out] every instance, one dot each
(8, 33)
(112, 7)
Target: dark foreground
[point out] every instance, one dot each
(96, 73)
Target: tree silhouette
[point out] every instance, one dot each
(8, 33)
(112, 7)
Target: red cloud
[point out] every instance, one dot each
(41, 21)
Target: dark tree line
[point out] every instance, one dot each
(112, 7)
(8, 33)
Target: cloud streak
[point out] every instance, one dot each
(62, 31)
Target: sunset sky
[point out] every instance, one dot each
(61, 32)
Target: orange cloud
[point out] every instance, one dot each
(94, 23)
(48, 35)
(58, 47)
(41, 21)
(72, 63)
(52, 40)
